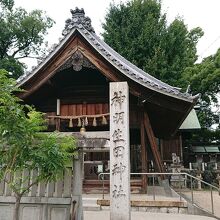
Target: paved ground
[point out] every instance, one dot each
(203, 199)
(104, 215)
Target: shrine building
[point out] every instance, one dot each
(71, 86)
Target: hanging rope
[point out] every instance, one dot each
(94, 123)
(78, 116)
(83, 118)
(104, 120)
(71, 123)
(79, 122)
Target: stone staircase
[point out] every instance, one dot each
(165, 201)
(90, 204)
(96, 186)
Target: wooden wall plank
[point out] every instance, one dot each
(84, 112)
(33, 190)
(105, 108)
(59, 187)
(67, 183)
(50, 189)
(79, 109)
(64, 110)
(92, 109)
(70, 109)
(98, 108)
(74, 109)
(41, 189)
(25, 180)
(17, 179)
(8, 190)
(2, 188)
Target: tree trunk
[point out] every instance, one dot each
(16, 208)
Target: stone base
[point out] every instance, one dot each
(152, 206)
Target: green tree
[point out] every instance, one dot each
(24, 147)
(22, 35)
(204, 78)
(139, 31)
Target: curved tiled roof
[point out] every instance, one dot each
(83, 25)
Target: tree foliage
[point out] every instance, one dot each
(204, 78)
(23, 146)
(22, 35)
(139, 31)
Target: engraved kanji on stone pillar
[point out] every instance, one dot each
(119, 152)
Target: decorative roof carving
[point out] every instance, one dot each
(78, 20)
(77, 61)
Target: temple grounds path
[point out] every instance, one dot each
(105, 215)
(203, 199)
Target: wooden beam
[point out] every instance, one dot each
(153, 143)
(143, 154)
(49, 69)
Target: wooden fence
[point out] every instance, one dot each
(44, 201)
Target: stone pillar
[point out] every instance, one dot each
(77, 184)
(199, 182)
(218, 178)
(190, 166)
(203, 166)
(119, 152)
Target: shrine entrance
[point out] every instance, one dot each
(96, 160)
(95, 163)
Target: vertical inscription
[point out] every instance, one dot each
(119, 152)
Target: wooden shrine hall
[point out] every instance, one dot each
(71, 85)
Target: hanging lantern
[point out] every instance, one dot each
(71, 123)
(104, 121)
(82, 130)
(94, 123)
(79, 122)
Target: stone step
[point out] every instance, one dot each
(90, 204)
(97, 204)
(147, 203)
(91, 207)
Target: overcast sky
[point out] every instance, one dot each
(202, 13)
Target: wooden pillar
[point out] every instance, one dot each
(143, 155)
(153, 143)
(162, 149)
(181, 147)
(58, 114)
(57, 124)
